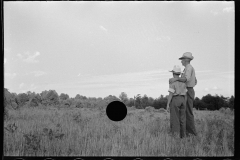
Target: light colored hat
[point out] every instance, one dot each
(187, 55)
(176, 69)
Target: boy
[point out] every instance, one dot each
(177, 104)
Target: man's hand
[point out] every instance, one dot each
(171, 80)
(167, 108)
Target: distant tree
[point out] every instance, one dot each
(79, 104)
(78, 96)
(22, 99)
(199, 105)
(99, 99)
(231, 102)
(111, 98)
(138, 101)
(50, 98)
(150, 101)
(43, 94)
(130, 102)
(144, 101)
(123, 97)
(33, 102)
(101, 105)
(38, 98)
(7, 97)
(32, 95)
(214, 102)
(63, 96)
(160, 102)
(67, 102)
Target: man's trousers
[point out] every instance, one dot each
(190, 126)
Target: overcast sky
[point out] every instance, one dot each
(98, 49)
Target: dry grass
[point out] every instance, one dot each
(84, 132)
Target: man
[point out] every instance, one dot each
(177, 102)
(189, 78)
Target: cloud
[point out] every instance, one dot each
(29, 58)
(32, 87)
(137, 80)
(38, 73)
(10, 75)
(102, 28)
(6, 50)
(215, 88)
(206, 89)
(163, 38)
(228, 9)
(214, 12)
(79, 74)
(21, 85)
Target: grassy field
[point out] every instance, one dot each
(88, 132)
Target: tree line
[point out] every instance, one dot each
(51, 98)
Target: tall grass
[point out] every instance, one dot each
(84, 132)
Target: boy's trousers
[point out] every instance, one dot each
(178, 115)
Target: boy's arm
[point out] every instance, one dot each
(171, 91)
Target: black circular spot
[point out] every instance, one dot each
(116, 111)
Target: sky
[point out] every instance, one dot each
(102, 48)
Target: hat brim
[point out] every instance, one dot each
(191, 58)
(175, 72)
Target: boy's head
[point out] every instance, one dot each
(176, 71)
(175, 75)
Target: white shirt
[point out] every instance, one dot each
(189, 74)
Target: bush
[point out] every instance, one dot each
(222, 110)
(50, 98)
(22, 99)
(149, 109)
(161, 110)
(33, 102)
(79, 104)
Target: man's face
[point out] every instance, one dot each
(183, 62)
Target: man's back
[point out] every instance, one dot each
(189, 74)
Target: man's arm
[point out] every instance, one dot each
(181, 79)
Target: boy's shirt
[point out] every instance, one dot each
(177, 88)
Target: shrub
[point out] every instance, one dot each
(33, 102)
(22, 99)
(79, 104)
(161, 110)
(222, 110)
(50, 98)
(149, 109)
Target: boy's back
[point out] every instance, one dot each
(178, 88)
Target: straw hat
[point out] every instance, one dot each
(176, 69)
(187, 55)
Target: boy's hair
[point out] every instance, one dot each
(176, 74)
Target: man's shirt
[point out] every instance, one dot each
(189, 73)
(178, 88)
